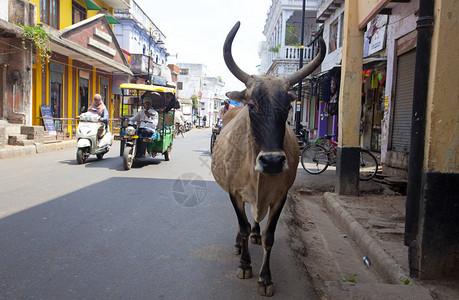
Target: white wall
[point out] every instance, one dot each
(332, 59)
(4, 9)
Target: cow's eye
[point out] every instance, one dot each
(251, 106)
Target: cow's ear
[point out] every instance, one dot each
(237, 96)
(292, 96)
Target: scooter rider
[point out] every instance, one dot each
(98, 107)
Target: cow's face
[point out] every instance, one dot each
(268, 101)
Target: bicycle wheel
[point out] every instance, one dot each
(314, 159)
(368, 165)
(213, 138)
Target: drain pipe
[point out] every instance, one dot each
(418, 124)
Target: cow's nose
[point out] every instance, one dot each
(271, 164)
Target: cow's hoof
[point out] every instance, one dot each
(244, 273)
(255, 239)
(264, 289)
(237, 250)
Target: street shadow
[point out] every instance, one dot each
(93, 162)
(142, 162)
(137, 240)
(203, 152)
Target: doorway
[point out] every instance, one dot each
(83, 88)
(55, 102)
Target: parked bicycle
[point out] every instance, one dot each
(317, 156)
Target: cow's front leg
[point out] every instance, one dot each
(255, 238)
(265, 285)
(244, 270)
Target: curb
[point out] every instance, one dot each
(37, 148)
(384, 265)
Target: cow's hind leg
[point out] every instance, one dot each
(238, 245)
(265, 285)
(244, 270)
(255, 238)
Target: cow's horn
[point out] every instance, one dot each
(241, 75)
(310, 67)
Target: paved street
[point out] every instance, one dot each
(162, 230)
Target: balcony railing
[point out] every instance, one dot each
(292, 52)
(126, 4)
(139, 64)
(289, 55)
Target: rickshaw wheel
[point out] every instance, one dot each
(167, 154)
(128, 158)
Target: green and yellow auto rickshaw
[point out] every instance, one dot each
(165, 103)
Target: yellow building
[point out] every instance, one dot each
(432, 205)
(85, 58)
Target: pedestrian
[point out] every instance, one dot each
(204, 119)
(224, 109)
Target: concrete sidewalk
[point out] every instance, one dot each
(8, 151)
(337, 232)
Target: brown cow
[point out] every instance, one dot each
(255, 157)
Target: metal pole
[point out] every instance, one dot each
(298, 103)
(149, 56)
(414, 191)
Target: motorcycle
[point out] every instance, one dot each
(187, 125)
(87, 141)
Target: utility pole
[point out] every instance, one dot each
(298, 102)
(149, 56)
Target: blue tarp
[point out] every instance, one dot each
(235, 103)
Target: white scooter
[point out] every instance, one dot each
(87, 140)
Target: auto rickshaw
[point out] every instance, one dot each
(165, 103)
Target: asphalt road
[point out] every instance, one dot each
(162, 230)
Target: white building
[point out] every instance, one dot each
(144, 44)
(193, 80)
(281, 53)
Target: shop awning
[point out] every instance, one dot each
(90, 5)
(112, 20)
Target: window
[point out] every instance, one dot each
(49, 12)
(332, 42)
(78, 13)
(341, 31)
(179, 85)
(184, 71)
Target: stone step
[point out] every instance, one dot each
(13, 129)
(19, 140)
(19, 137)
(49, 139)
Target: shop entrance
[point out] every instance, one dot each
(83, 85)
